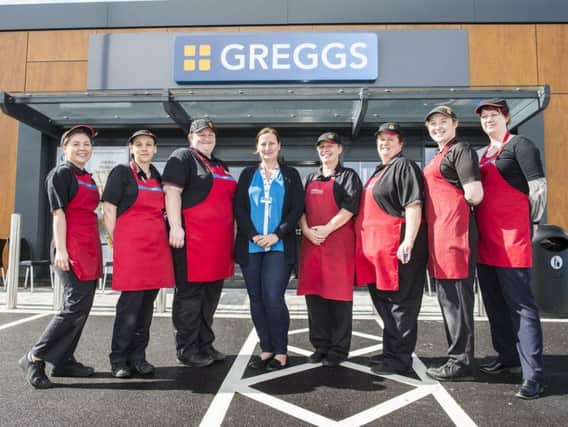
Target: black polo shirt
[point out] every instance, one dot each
(186, 170)
(400, 185)
(460, 165)
(519, 163)
(62, 185)
(347, 187)
(121, 188)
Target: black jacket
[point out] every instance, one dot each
(292, 210)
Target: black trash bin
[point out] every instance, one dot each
(550, 269)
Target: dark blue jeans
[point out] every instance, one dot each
(513, 318)
(266, 276)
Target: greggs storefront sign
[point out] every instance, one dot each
(276, 57)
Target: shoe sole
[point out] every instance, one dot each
(532, 397)
(513, 371)
(23, 363)
(452, 379)
(196, 365)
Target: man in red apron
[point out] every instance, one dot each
(73, 197)
(199, 204)
(142, 261)
(452, 187)
(391, 249)
(327, 272)
(515, 197)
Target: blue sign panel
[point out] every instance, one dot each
(276, 57)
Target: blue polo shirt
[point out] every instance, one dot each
(257, 207)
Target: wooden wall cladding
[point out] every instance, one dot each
(8, 160)
(552, 49)
(556, 153)
(13, 48)
(59, 45)
(56, 76)
(502, 55)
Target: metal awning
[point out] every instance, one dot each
(328, 106)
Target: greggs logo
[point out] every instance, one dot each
(271, 56)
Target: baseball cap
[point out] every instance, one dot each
(389, 127)
(200, 124)
(141, 132)
(498, 103)
(328, 137)
(441, 109)
(89, 130)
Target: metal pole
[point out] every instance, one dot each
(161, 301)
(57, 292)
(13, 261)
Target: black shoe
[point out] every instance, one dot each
(142, 367)
(316, 357)
(494, 367)
(275, 365)
(215, 354)
(120, 370)
(530, 390)
(384, 367)
(451, 371)
(35, 372)
(332, 360)
(72, 368)
(196, 360)
(376, 359)
(259, 364)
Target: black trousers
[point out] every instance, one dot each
(330, 325)
(59, 340)
(192, 314)
(399, 309)
(131, 331)
(456, 299)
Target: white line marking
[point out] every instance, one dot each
(277, 374)
(298, 350)
(454, 411)
(218, 408)
(288, 408)
(387, 407)
(298, 331)
(26, 320)
(368, 336)
(398, 378)
(366, 350)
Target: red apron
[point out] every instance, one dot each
(142, 257)
(83, 241)
(209, 230)
(378, 239)
(326, 270)
(447, 215)
(503, 220)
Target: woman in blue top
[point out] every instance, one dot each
(268, 204)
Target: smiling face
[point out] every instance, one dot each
(493, 121)
(203, 141)
(78, 148)
(388, 145)
(329, 152)
(268, 147)
(442, 128)
(143, 148)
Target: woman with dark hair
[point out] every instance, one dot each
(327, 271)
(392, 249)
(268, 204)
(133, 215)
(453, 187)
(515, 197)
(73, 198)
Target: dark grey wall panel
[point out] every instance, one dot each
(379, 11)
(164, 13)
(144, 60)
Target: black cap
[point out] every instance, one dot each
(441, 109)
(328, 137)
(200, 124)
(389, 127)
(498, 103)
(89, 130)
(141, 132)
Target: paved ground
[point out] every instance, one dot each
(230, 395)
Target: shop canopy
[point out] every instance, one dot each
(298, 106)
